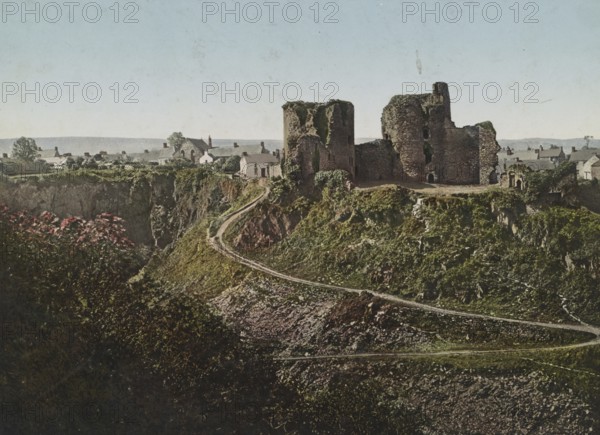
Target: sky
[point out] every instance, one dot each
(148, 68)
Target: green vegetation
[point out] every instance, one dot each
(450, 251)
(25, 149)
(543, 182)
(487, 125)
(176, 140)
(146, 346)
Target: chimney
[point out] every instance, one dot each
(86, 154)
(262, 145)
(123, 152)
(245, 154)
(165, 145)
(573, 149)
(209, 141)
(278, 154)
(146, 151)
(509, 151)
(235, 145)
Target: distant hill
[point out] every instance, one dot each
(567, 144)
(79, 145)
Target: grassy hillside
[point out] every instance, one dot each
(483, 253)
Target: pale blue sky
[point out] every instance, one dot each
(369, 54)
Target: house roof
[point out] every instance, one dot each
(261, 158)
(113, 157)
(237, 151)
(537, 165)
(43, 154)
(153, 155)
(550, 153)
(523, 155)
(583, 155)
(197, 144)
(56, 160)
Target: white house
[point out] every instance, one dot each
(260, 166)
(581, 158)
(587, 169)
(206, 159)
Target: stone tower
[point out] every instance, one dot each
(416, 126)
(319, 137)
(428, 147)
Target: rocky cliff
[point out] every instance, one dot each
(157, 207)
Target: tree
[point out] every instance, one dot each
(176, 140)
(25, 149)
(232, 164)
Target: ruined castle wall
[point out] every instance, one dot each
(416, 125)
(376, 161)
(403, 121)
(306, 155)
(420, 142)
(319, 137)
(336, 124)
(488, 154)
(461, 165)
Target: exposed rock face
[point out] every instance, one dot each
(156, 209)
(453, 395)
(268, 228)
(319, 137)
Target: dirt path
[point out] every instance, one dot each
(219, 245)
(424, 188)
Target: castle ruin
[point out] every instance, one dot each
(420, 142)
(319, 137)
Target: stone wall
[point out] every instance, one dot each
(319, 137)
(416, 125)
(377, 160)
(488, 154)
(420, 142)
(461, 165)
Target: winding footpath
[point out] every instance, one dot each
(218, 243)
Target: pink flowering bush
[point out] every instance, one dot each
(75, 258)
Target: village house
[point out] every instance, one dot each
(589, 168)
(10, 166)
(193, 149)
(236, 150)
(554, 154)
(154, 157)
(260, 166)
(585, 159)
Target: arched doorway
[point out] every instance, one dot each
(431, 178)
(519, 185)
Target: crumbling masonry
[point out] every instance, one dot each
(420, 142)
(319, 137)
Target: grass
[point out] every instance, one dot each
(454, 254)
